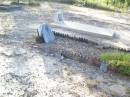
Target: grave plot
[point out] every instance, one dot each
(87, 29)
(86, 32)
(32, 69)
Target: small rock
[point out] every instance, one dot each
(117, 90)
(103, 67)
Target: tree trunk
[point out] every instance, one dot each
(18, 1)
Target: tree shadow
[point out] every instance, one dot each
(9, 8)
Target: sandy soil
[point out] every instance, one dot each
(30, 69)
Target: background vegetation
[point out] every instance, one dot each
(117, 5)
(119, 62)
(111, 4)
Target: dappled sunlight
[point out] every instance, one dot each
(124, 39)
(3, 60)
(32, 69)
(46, 5)
(121, 45)
(6, 23)
(97, 14)
(79, 79)
(5, 2)
(34, 26)
(34, 63)
(46, 72)
(125, 35)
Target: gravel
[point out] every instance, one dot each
(59, 69)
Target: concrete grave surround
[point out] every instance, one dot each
(84, 28)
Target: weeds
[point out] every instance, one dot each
(117, 61)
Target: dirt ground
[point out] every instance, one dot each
(31, 69)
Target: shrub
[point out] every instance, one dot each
(118, 61)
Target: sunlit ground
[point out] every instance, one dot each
(29, 72)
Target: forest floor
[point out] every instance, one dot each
(31, 69)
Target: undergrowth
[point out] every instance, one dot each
(117, 61)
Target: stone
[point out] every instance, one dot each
(117, 90)
(103, 67)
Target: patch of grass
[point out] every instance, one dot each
(109, 5)
(118, 61)
(117, 5)
(97, 6)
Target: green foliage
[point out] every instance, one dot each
(117, 61)
(109, 4)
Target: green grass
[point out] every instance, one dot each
(111, 5)
(119, 62)
(118, 5)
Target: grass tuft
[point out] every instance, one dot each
(119, 62)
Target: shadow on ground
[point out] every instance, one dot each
(8, 8)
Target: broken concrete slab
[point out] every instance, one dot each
(45, 33)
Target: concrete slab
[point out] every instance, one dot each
(85, 29)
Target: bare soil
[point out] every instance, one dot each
(31, 69)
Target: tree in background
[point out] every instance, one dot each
(18, 1)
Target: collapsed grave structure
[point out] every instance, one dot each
(85, 32)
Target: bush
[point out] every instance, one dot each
(119, 62)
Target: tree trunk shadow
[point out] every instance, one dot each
(8, 8)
